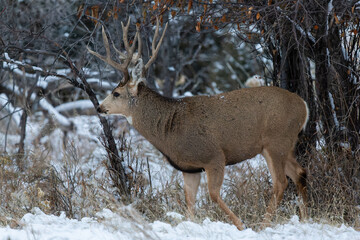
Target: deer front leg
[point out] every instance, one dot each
(191, 185)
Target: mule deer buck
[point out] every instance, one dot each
(206, 133)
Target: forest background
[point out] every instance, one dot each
(48, 77)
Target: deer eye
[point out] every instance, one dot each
(115, 94)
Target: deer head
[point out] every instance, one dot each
(118, 101)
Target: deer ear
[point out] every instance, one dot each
(136, 77)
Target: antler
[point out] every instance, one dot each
(154, 48)
(128, 57)
(123, 67)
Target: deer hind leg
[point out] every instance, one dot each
(215, 177)
(191, 185)
(298, 176)
(276, 164)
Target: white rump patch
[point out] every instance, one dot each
(307, 116)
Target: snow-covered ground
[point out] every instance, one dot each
(108, 225)
(126, 223)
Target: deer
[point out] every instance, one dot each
(206, 133)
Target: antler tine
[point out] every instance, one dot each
(154, 49)
(139, 43)
(123, 67)
(129, 50)
(125, 34)
(107, 57)
(155, 35)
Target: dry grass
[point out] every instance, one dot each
(333, 189)
(66, 187)
(333, 192)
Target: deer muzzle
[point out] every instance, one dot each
(100, 109)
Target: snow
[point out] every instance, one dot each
(109, 225)
(59, 118)
(188, 94)
(124, 222)
(255, 81)
(16, 112)
(336, 121)
(102, 83)
(175, 215)
(79, 104)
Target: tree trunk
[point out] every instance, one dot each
(116, 169)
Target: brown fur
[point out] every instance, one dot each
(209, 132)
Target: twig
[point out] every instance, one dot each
(29, 68)
(148, 166)
(3, 11)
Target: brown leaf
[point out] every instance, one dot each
(249, 11)
(316, 27)
(198, 26)
(173, 14)
(258, 16)
(336, 19)
(95, 12)
(144, 13)
(190, 6)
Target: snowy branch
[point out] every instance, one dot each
(62, 120)
(13, 64)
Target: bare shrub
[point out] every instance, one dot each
(20, 191)
(333, 185)
(53, 186)
(333, 193)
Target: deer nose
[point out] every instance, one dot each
(99, 110)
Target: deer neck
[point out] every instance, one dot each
(153, 115)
